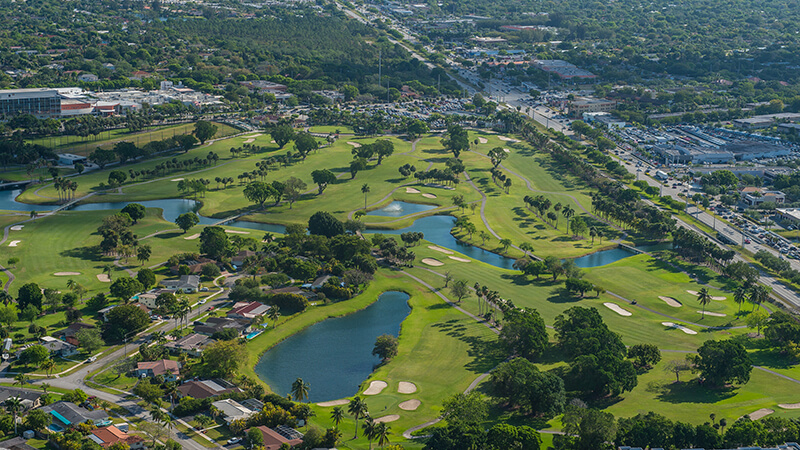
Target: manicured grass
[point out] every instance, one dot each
(21, 174)
(331, 129)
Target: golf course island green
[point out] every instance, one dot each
(479, 240)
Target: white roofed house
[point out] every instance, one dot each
(186, 283)
(58, 347)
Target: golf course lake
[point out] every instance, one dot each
(436, 229)
(400, 209)
(334, 356)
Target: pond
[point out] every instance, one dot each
(400, 209)
(334, 356)
(8, 202)
(604, 257)
(437, 231)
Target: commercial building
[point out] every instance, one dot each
(578, 107)
(763, 196)
(563, 69)
(604, 119)
(68, 159)
(764, 120)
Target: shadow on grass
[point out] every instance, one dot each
(563, 296)
(87, 253)
(689, 392)
(169, 235)
(485, 353)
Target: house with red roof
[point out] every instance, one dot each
(169, 369)
(110, 435)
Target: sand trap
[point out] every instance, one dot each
(67, 274)
(617, 309)
(237, 232)
(254, 135)
(679, 327)
(693, 292)
(719, 299)
(409, 405)
(17, 228)
(354, 144)
(385, 419)
(712, 314)
(272, 142)
(456, 258)
(103, 278)
(782, 405)
(763, 412)
(429, 195)
(507, 150)
(671, 301)
(176, 179)
(334, 403)
(375, 388)
(507, 139)
(440, 249)
(410, 190)
(432, 262)
(249, 141)
(194, 236)
(406, 388)
(483, 140)
(14, 243)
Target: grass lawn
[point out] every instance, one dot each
(84, 146)
(331, 129)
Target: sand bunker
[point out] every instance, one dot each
(763, 412)
(617, 309)
(440, 249)
(671, 301)
(432, 262)
(783, 405)
(719, 299)
(254, 135)
(456, 258)
(67, 274)
(483, 140)
(249, 141)
(194, 236)
(375, 388)
(237, 232)
(389, 418)
(272, 142)
(406, 387)
(678, 327)
(334, 403)
(429, 195)
(14, 243)
(507, 139)
(410, 190)
(176, 179)
(103, 278)
(17, 228)
(409, 405)
(507, 150)
(693, 292)
(354, 144)
(713, 314)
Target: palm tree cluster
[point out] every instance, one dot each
(504, 181)
(490, 303)
(623, 207)
(442, 176)
(68, 187)
(699, 250)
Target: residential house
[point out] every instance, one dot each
(67, 414)
(275, 438)
(192, 344)
(238, 259)
(248, 310)
(186, 283)
(103, 312)
(110, 435)
(69, 333)
(30, 399)
(292, 290)
(195, 265)
(215, 324)
(232, 410)
(58, 347)
(320, 281)
(201, 389)
(17, 443)
(88, 77)
(169, 369)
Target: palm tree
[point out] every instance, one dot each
(214, 411)
(740, 296)
(759, 294)
(203, 420)
(357, 407)
(567, 212)
(484, 236)
(45, 387)
(21, 379)
(274, 314)
(592, 233)
(365, 191)
(704, 298)
(300, 390)
(48, 366)
(382, 433)
(369, 427)
(505, 243)
(108, 268)
(337, 415)
(14, 405)
(526, 247)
